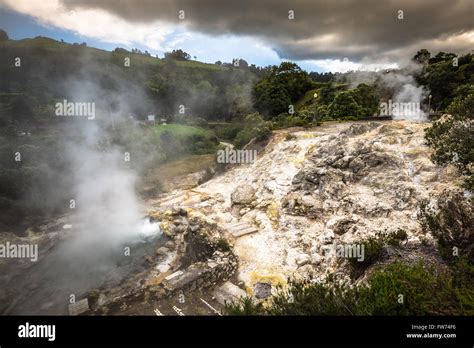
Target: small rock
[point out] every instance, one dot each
(162, 251)
(327, 237)
(262, 290)
(194, 228)
(101, 300)
(170, 244)
(244, 211)
(302, 259)
(243, 194)
(340, 225)
(316, 259)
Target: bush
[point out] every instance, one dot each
(397, 289)
(344, 105)
(223, 245)
(452, 138)
(374, 249)
(373, 252)
(452, 225)
(395, 238)
(255, 127)
(228, 132)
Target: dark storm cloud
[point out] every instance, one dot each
(321, 28)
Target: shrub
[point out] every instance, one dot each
(223, 245)
(374, 249)
(452, 225)
(255, 127)
(397, 289)
(452, 137)
(395, 238)
(373, 252)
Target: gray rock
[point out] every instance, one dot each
(243, 194)
(194, 228)
(316, 259)
(262, 290)
(162, 251)
(340, 225)
(170, 244)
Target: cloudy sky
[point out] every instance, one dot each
(320, 35)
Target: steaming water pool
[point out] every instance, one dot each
(45, 288)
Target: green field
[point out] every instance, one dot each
(183, 131)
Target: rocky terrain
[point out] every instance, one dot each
(286, 215)
(313, 190)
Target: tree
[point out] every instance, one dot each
(367, 98)
(443, 77)
(243, 63)
(281, 87)
(442, 56)
(452, 137)
(3, 35)
(178, 55)
(422, 56)
(344, 106)
(327, 93)
(120, 50)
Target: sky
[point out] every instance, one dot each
(318, 35)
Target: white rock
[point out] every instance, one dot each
(316, 259)
(302, 259)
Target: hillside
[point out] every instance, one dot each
(50, 71)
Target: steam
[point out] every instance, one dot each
(410, 95)
(106, 223)
(402, 96)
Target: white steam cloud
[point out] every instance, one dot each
(402, 96)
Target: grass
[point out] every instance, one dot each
(54, 46)
(182, 131)
(200, 65)
(185, 165)
(307, 99)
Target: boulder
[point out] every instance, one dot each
(316, 259)
(162, 251)
(340, 225)
(262, 290)
(302, 259)
(243, 194)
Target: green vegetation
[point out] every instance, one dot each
(281, 87)
(397, 289)
(452, 137)
(255, 128)
(223, 244)
(374, 249)
(444, 74)
(452, 225)
(353, 104)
